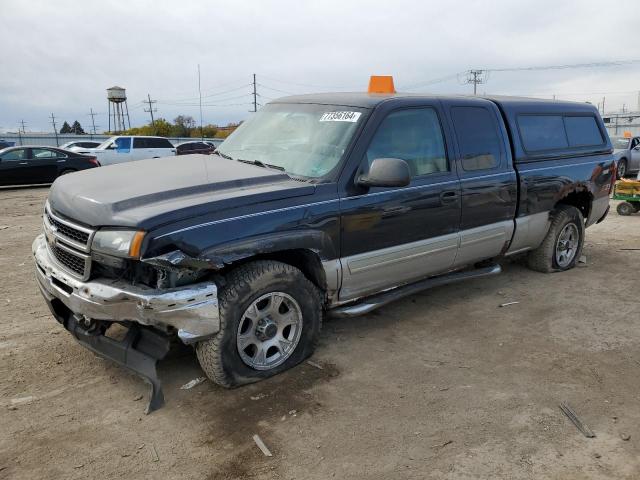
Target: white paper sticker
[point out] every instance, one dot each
(340, 117)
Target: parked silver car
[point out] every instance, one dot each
(627, 154)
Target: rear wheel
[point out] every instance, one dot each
(636, 206)
(562, 246)
(270, 320)
(622, 168)
(625, 208)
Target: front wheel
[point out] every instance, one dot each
(562, 246)
(270, 320)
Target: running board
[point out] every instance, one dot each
(374, 302)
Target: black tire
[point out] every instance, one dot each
(67, 171)
(544, 258)
(636, 206)
(621, 168)
(219, 356)
(625, 209)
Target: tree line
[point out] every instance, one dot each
(76, 128)
(182, 126)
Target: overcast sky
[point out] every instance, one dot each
(60, 56)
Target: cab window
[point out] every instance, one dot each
(123, 144)
(413, 135)
(478, 139)
(140, 143)
(19, 154)
(43, 153)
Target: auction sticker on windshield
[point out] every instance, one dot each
(340, 117)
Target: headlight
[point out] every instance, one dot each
(121, 243)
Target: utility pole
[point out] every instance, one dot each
(55, 129)
(603, 105)
(150, 111)
(255, 95)
(475, 77)
(93, 122)
(200, 95)
(21, 131)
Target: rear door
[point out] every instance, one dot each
(141, 149)
(43, 164)
(487, 178)
(393, 236)
(161, 147)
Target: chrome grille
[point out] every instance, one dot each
(68, 243)
(67, 231)
(70, 260)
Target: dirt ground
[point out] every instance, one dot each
(446, 384)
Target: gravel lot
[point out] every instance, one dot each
(445, 384)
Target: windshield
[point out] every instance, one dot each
(305, 140)
(106, 143)
(620, 142)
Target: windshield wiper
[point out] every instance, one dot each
(261, 164)
(223, 155)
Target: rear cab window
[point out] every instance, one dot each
(479, 141)
(541, 133)
(158, 143)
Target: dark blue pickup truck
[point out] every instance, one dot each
(319, 203)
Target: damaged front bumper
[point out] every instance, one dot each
(192, 310)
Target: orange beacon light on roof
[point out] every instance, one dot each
(381, 84)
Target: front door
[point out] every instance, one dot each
(634, 161)
(394, 236)
(12, 163)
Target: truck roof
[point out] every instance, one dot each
(371, 100)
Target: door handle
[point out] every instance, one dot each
(23, 163)
(449, 196)
(61, 161)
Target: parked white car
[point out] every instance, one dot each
(122, 149)
(81, 144)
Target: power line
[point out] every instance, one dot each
(55, 129)
(276, 89)
(304, 84)
(566, 66)
(474, 75)
(217, 94)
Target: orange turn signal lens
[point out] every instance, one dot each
(381, 84)
(136, 244)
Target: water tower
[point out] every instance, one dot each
(118, 109)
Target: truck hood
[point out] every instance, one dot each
(149, 193)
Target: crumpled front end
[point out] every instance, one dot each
(192, 309)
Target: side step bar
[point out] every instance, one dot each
(374, 302)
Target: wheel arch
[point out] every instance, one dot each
(580, 198)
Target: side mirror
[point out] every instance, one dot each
(637, 147)
(386, 172)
